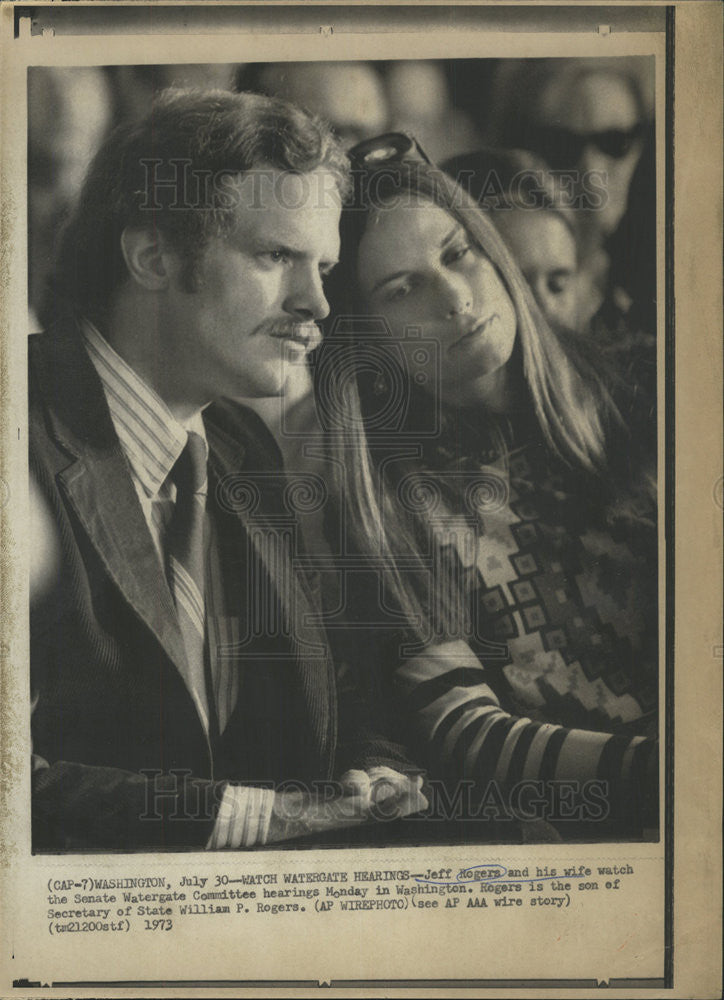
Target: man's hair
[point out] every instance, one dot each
(171, 171)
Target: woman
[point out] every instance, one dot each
(531, 460)
(535, 218)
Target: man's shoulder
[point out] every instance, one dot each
(55, 361)
(38, 345)
(58, 345)
(40, 366)
(66, 404)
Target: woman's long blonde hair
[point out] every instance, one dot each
(569, 402)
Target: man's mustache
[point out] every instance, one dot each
(307, 332)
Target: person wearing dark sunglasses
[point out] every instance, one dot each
(480, 457)
(561, 147)
(583, 116)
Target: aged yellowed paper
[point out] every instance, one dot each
(420, 911)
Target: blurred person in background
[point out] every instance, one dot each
(349, 96)
(523, 202)
(69, 112)
(135, 86)
(420, 102)
(626, 324)
(632, 247)
(586, 118)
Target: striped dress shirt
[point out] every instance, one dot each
(152, 439)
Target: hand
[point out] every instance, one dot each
(385, 793)
(368, 796)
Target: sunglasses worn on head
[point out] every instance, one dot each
(562, 148)
(382, 150)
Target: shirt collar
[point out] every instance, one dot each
(151, 437)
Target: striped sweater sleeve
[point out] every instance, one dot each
(456, 713)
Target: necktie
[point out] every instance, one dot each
(186, 563)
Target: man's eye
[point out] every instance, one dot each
(398, 292)
(278, 256)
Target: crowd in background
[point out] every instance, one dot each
(583, 128)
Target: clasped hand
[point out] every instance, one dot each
(379, 794)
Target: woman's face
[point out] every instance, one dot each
(545, 250)
(418, 270)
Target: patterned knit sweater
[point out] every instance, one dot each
(562, 593)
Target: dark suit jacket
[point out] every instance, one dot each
(120, 757)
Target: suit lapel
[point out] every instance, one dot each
(98, 486)
(242, 447)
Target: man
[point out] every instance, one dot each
(178, 684)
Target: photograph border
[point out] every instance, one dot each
(667, 512)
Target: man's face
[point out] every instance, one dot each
(259, 290)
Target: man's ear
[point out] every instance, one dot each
(146, 257)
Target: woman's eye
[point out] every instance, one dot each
(457, 253)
